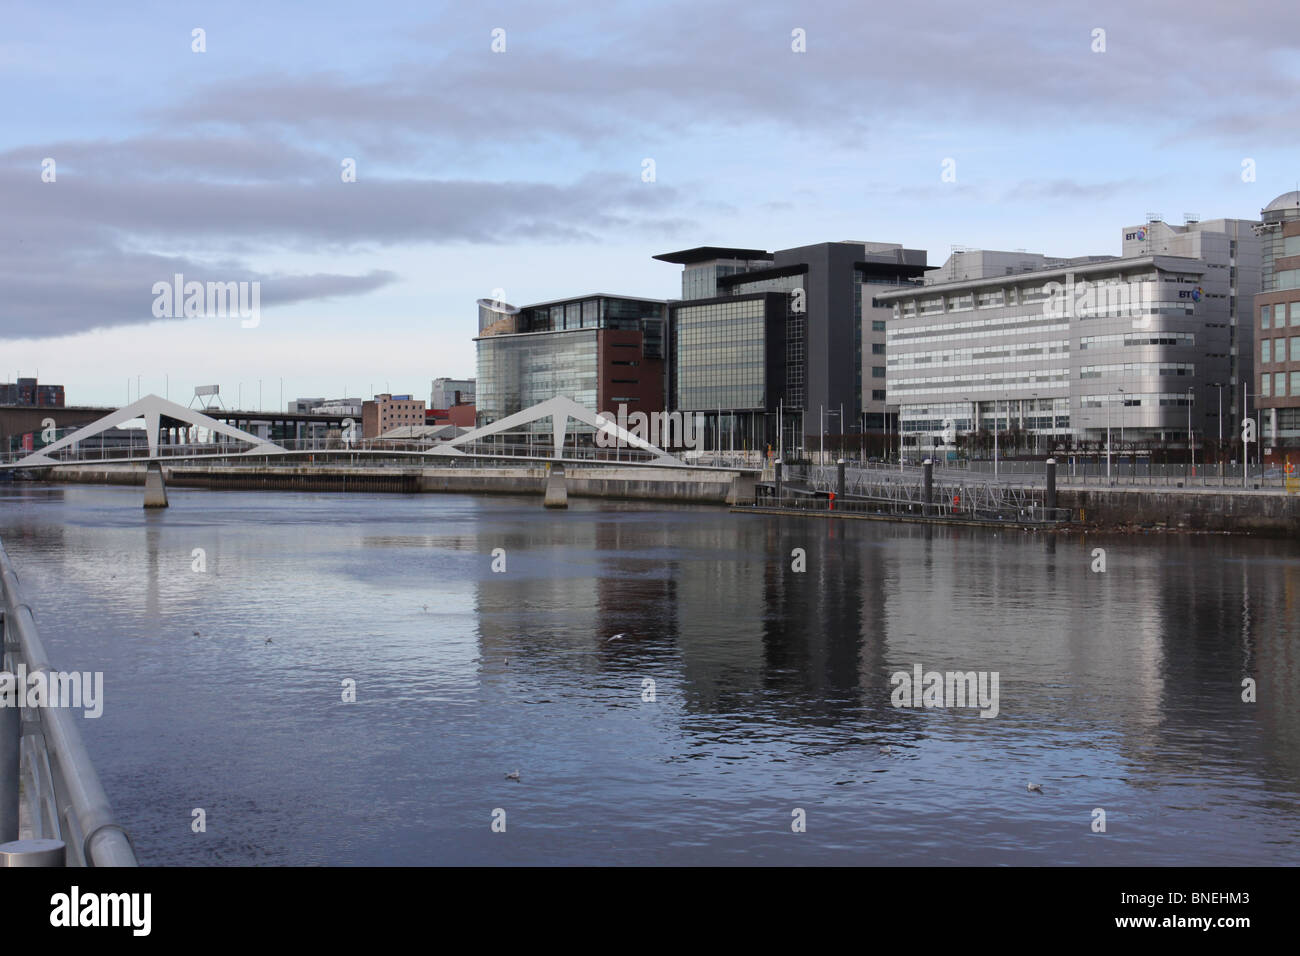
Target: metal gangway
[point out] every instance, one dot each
(953, 491)
(53, 810)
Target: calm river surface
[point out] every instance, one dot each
(1118, 690)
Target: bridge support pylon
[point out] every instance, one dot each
(155, 489)
(557, 492)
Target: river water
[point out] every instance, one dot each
(1119, 690)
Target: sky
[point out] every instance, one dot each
(521, 172)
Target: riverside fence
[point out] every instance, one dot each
(53, 810)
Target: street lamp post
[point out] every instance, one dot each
(1219, 386)
(1033, 402)
(997, 408)
(1191, 447)
(966, 398)
(1107, 441)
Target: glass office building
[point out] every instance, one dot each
(600, 350)
(518, 371)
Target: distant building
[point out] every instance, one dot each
(27, 392)
(304, 406)
(387, 412)
(447, 392)
(1276, 388)
(600, 350)
(347, 407)
(461, 415)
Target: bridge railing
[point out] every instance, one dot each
(48, 786)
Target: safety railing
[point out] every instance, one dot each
(53, 810)
(942, 508)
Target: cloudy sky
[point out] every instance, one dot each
(522, 170)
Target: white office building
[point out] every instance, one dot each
(1056, 351)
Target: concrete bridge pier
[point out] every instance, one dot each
(557, 493)
(742, 490)
(155, 489)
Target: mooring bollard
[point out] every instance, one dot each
(839, 478)
(1051, 484)
(927, 483)
(778, 483)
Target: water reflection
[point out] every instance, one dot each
(1119, 689)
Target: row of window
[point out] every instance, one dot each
(1275, 350)
(1141, 398)
(1274, 386)
(963, 425)
(1277, 315)
(1138, 368)
(980, 356)
(1002, 325)
(1137, 338)
(975, 383)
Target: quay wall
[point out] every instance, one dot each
(1272, 513)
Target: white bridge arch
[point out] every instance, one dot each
(153, 408)
(559, 409)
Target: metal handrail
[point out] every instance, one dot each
(55, 763)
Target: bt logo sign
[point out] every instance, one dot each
(1140, 235)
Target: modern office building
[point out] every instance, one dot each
(447, 392)
(1233, 252)
(387, 412)
(1059, 350)
(601, 350)
(27, 392)
(1276, 385)
(795, 337)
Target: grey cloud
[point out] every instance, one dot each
(1017, 65)
(71, 257)
(1072, 190)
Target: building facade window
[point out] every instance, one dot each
(721, 358)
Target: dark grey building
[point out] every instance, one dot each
(795, 335)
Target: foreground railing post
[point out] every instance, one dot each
(10, 752)
(33, 853)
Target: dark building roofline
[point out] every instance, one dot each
(707, 253)
(1163, 262)
(893, 269)
(758, 275)
(592, 295)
